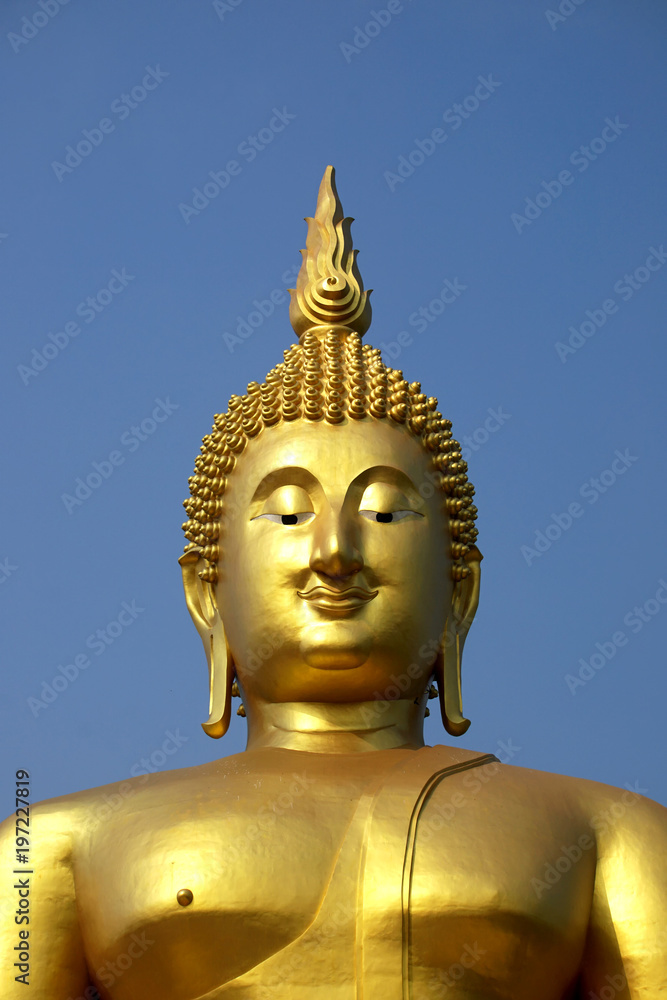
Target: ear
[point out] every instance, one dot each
(203, 608)
(465, 598)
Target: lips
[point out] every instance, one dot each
(337, 600)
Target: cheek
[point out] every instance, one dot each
(414, 566)
(250, 555)
(259, 576)
(404, 554)
(263, 547)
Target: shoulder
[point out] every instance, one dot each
(57, 825)
(629, 906)
(603, 810)
(47, 826)
(36, 847)
(91, 810)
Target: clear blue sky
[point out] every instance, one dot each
(282, 90)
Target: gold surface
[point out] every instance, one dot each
(332, 575)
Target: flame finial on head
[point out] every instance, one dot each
(329, 290)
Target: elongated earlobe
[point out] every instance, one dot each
(465, 599)
(200, 599)
(448, 674)
(220, 679)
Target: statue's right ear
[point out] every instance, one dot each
(203, 608)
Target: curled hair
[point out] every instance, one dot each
(328, 376)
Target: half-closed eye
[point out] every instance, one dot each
(287, 518)
(390, 516)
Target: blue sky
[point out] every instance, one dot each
(532, 217)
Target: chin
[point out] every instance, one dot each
(336, 645)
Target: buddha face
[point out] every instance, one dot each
(334, 576)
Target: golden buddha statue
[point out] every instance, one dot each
(332, 574)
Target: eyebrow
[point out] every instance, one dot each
(392, 476)
(292, 475)
(297, 476)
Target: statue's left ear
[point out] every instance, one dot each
(465, 598)
(203, 608)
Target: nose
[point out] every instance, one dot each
(335, 553)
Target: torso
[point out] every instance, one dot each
(256, 838)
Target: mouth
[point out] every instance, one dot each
(337, 600)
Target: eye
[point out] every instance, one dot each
(287, 505)
(286, 518)
(389, 517)
(385, 503)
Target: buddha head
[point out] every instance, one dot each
(331, 550)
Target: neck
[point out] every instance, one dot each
(324, 727)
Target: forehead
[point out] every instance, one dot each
(335, 454)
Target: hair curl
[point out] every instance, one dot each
(329, 376)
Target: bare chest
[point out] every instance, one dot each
(277, 888)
